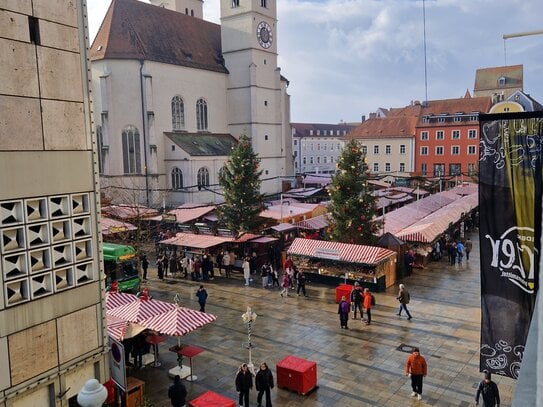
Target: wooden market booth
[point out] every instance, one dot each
(335, 263)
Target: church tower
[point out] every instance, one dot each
(258, 104)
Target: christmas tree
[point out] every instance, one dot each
(240, 180)
(352, 207)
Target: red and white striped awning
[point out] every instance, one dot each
(120, 329)
(117, 299)
(178, 321)
(352, 253)
(140, 310)
(316, 223)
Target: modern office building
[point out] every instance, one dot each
(51, 315)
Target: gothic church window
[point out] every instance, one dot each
(203, 178)
(131, 150)
(178, 113)
(177, 178)
(201, 115)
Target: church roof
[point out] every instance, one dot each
(203, 144)
(132, 29)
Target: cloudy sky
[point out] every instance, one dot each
(346, 58)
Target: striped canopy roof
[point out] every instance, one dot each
(352, 253)
(196, 241)
(120, 329)
(140, 310)
(178, 321)
(116, 299)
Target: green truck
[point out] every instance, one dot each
(121, 265)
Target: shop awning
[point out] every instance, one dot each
(351, 253)
(316, 223)
(264, 239)
(184, 215)
(110, 226)
(196, 241)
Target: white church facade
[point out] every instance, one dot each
(173, 93)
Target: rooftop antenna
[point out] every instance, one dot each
(425, 64)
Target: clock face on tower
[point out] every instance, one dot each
(264, 34)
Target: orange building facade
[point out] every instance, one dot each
(447, 137)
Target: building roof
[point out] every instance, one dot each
(487, 78)
(463, 105)
(196, 241)
(132, 29)
(390, 126)
(185, 215)
(304, 129)
(203, 144)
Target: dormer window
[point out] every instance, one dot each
(501, 81)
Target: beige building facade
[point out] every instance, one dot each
(51, 317)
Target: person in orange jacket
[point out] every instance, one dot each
(415, 366)
(367, 304)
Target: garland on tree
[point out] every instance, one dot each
(352, 207)
(240, 180)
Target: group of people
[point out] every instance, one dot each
(360, 300)
(263, 383)
(199, 267)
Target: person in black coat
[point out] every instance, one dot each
(244, 383)
(264, 382)
(489, 390)
(177, 393)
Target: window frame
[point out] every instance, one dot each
(130, 139)
(438, 149)
(201, 115)
(178, 113)
(202, 178)
(177, 178)
(424, 135)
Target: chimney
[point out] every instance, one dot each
(363, 118)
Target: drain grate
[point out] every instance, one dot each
(406, 348)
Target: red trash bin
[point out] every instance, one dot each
(343, 290)
(297, 374)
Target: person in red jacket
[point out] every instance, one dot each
(415, 366)
(367, 304)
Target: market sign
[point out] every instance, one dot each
(169, 217)
(117, 229)
(322, 253)
(117, 366)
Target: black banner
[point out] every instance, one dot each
(510, 175)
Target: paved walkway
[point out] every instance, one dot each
(361, 366)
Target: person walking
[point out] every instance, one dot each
(368, 303)
(177, 392)
(244, 383)
(468, 246)
(185, 266)
(343, 311)
(165, 263)
(460, 251)
(416, 367)
(404, 297)
(274, 276)
(144, 266)
(452, 252)
(263, 384)
(285, 283)
(159, 267)
(202, 297)
(357, 296)
(264, 274)
(173, 264)
(246, 266)
(301, 283)
(226, 264)
(489, 390)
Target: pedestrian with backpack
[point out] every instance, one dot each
(343, 311)
(369, 301)
(404, 298)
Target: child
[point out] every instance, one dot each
(343, 311)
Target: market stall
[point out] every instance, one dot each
(334, 263)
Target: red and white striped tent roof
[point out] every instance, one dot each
(110, 226)
(178, 321)
(120, 329)
(117, 299)
(352, 253)
(140, 310)
(196, 241)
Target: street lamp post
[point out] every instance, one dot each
(249, 318)
(93, 394)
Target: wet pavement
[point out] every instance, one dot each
(362, 366)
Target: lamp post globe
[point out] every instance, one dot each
(93, 394)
